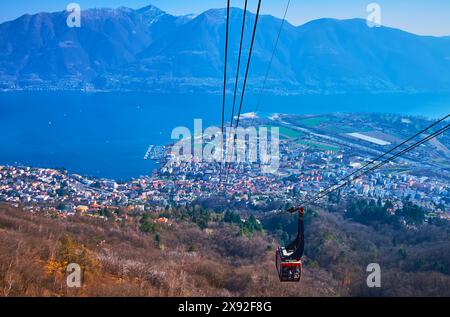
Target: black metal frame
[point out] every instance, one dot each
(298, 245)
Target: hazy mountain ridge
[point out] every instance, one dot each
(148, 49)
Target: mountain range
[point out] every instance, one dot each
(150, 50)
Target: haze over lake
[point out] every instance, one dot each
(107, 134)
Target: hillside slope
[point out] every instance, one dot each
(197, 253)
(119, 260)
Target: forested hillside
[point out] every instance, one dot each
(191, 251)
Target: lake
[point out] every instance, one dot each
(107, 134)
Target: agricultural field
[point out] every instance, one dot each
(320, 146)
(312, 122)
(286, 132)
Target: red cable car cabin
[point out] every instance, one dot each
(289, 259)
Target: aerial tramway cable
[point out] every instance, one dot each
(393, 149)
(238, 64)
(248, 63)
(225, 76)
(237, 77)
(225, 65)
(288, 259)
(270, 63)
(246, 74)
(263, 87)
(333, 188)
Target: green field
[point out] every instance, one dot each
(313, 122)
(286, 132)
(319, 146)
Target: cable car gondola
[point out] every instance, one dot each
(289, 258)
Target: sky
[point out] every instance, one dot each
(424, 17)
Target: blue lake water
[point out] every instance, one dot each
(107, 134)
